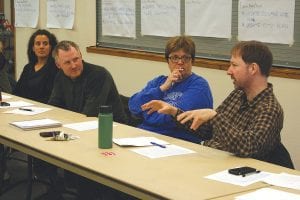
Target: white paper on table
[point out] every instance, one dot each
(158, 152)
(32, 110)
(4, 97)
(36, 124)
(284, 180)
(83, 126)
(138, 141)
(15, 104)
(224, 176)
(268, 193)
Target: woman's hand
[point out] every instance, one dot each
(174, 76)
(160, 107)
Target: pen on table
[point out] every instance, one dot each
(247, 174)
(26, 109)
(159, 145)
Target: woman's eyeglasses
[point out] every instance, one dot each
(176, 59)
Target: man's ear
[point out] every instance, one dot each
(254, 68)
(57, 65)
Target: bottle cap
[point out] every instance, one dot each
(105, 109)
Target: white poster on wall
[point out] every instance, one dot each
(118, 18)
(270, 21)
(160, 18)
(208, 18)
(60, 13)
(26, 13)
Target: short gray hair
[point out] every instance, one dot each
(64, 45)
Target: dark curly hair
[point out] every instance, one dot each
(52, 41)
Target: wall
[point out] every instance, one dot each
(132, 74)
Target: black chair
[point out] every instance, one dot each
(132, 119)
(280, 156)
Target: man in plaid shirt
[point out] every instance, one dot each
(249, 121)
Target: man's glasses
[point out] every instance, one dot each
(175, 59)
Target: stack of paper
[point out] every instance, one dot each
(36, 124)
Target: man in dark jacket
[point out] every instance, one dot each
(82, 87)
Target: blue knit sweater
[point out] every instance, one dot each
(189, 94)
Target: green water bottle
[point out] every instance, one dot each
(105, 127)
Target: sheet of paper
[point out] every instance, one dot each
(36, 124)
(156, 14)
(26, 13)
(4, 97)
(30, 110)
(15, 104)
(284, 180)
(138, 141)
(224, 176)
(60, 13)
(268, 193)
(83, 126)
(257, 19)
(214, 15)
(118, 18)
(158, 152)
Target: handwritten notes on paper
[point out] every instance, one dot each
(208, 18)
(118, 18)
(60, 13)
(26, 13)
(160, 18)
(269, 21)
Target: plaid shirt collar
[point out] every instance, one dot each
(245, 103)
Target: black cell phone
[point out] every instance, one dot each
(2, 103)
(242, 171)
(49, 133)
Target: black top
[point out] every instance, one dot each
(4, 80)
(85, 94)
(37, 85)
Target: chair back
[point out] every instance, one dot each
(280, 156)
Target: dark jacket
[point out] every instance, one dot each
(37, 85)
(94, 87)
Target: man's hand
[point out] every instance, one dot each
(198, 117)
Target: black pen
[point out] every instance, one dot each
(159, 145)
(26, 109)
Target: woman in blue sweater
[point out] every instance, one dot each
(181, 88)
